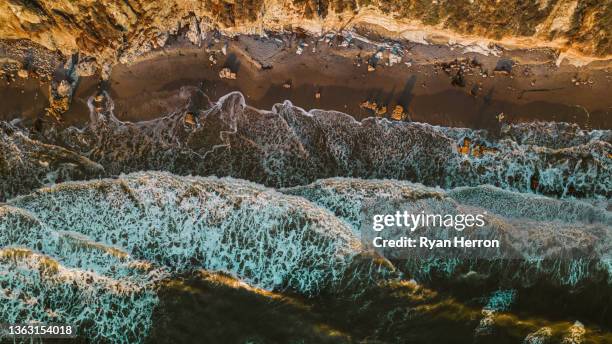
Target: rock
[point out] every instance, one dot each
(106, 71)
(486, 325)
(458, 79)
(465, 148)
(369, 105)
(161, 39)
(193, 35)
(575, 334)
(371, 68)
(99, 98)
(398, 113)
(540, 336)
(394, 59)
(190, 119)
(504, 66)
(86, 67)
(481, 149)
(64, 89)
(22, 73)
(381, 111)
(227, 73)
(99, 102)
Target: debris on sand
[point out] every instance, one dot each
(371, 68)
(318, 95)
(500, 117)
(227, 73)
(287, 84)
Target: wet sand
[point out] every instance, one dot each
(537, 91)
(534, 89)
(23, 98)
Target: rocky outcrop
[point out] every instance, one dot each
(122, 29)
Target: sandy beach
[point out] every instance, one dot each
(434, 84)
(532, 89)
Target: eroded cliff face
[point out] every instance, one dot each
(119, 30)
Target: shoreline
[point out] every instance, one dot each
(435, 84)
(422, 82)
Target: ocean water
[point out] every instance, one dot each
(98, 219)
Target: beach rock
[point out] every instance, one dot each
(227, 73)
(369, 105)
(190, 119)
(64, 89)
(86, 67)
(398, 113)
(394, 59)
(486, 326)
(193, 35)
(541, 336)
(22, 73)
(575, 334)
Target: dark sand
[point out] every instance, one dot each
(535, 89)
(23, 98)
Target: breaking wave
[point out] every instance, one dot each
(289, 146)
(108, 243)
(75, 251)
(564, 241)
(266, 238)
